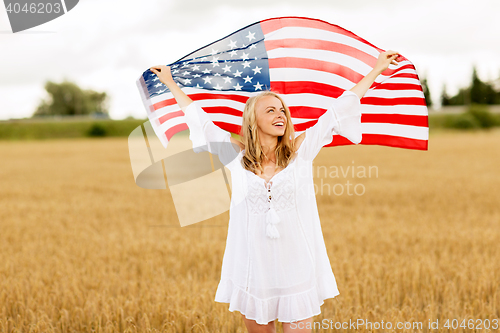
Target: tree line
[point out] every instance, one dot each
(68, 99)
(478, 92)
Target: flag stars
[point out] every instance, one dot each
(253, 46)
(186, 73)
(232, 44)
(214, 51)
(256, 70)
(196, 68)
(250, 36)
(217, 74)
(155, 79)
(158, 85)
(175, 71)
(246, 64)
(227, 68)
(238, 73)
(217, 87)
(244, 56)
(227, 79)
(233, 53)
(207, 79)
(198, 86)
(248, 79)
(237, 86)
(197, 75)
(207, 71)
(258, 86)
(187, 81)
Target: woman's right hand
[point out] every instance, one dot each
(163, 73)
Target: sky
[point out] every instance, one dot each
(105, 45)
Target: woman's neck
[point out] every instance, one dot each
(268, 144)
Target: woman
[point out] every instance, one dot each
(275, 265)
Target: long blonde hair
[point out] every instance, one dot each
(254, 155)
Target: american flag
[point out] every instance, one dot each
(308, 62)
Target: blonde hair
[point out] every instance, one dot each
(254, 155)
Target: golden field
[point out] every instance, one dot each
(84, 249)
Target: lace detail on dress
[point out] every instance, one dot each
(271, 197)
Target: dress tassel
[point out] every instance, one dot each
(272, 218)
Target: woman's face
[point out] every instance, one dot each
(270, 115)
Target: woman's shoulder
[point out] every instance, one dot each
(298, 141)
(239, 143)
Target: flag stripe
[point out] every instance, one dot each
(316, 44)
(382, 139)
(272, 25)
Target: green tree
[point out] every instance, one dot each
(445, 98)
(427, 92)
(67, 98)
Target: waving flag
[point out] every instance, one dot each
(307, 61)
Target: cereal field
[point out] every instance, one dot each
(84, 249)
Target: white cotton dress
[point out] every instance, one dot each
(275, 264)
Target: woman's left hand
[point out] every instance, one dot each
(385, 59)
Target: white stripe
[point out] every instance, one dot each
(383, 93)
(417, 110)
(301, 74)
(406, 80)
(322, 55)
(405, 131)
(313, 33)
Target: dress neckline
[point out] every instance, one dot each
(276, 174)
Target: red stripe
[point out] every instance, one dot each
(274, 24)
(228, 127)
(406, 75)
(304, 87)
(317, 65)
(170, 115)
(382, 140)
(398, 86)
(306, 112)
(316, 44)
(393, 101)
(207, 109)
(223, 109)
(401, 119)
(304, 125)
(175, 129)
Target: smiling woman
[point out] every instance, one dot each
(275, 264)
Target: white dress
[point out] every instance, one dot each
(275, 264)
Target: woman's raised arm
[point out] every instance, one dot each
(203, 132)
(165, 76)
(343, 117)
(384, 60)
